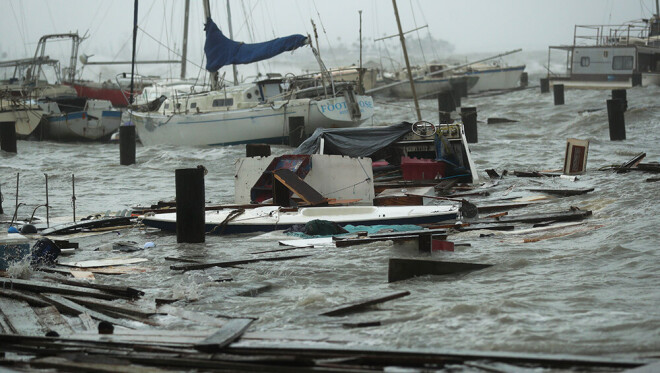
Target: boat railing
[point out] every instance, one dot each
(632, 33)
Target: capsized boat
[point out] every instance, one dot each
(270, 218)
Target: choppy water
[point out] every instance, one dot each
(592, 292)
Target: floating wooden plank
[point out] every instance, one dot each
(631, 163)
(102, 306)
(68, 306)
(103, 262)
(391, 236)
(358, 305)
(195, 266)
(87, 322)
(298, 186)
(535, 218)
(563, 192)
(490, 227)
(86, 224)
(21, 318)
(227, 334)
(51, 319)
(45, 287)
(31, 298)
(575, 159)
(113, 366)
(123, 291)
(403, 269)
(535, 174)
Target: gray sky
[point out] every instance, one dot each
(471, 26)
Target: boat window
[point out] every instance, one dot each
(585, 61)
(223, 102)
(622, 63)
(193, 105)
(249, 96)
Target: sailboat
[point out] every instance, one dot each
(272, 110)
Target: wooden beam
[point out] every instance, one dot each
(403, 269)
(298, 186)
(44, 287)
(68, 306)
(195, 266)
(355, 306)
(227, 334)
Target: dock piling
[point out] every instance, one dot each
(558, 90)
(190, 225)
(8, 137)
(545, 85)
(446, 105)
(621, 94)
(616, 119)
(127, 145)
(469, 117)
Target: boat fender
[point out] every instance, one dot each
(149, 244)
(12, 229)
(28, 228)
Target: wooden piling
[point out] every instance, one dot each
(425, 243)
(616, 120)
(636, 79)
(545, 85)
(469, 117)
(8, 137)
(126, 145)
(296, 131)
(257, 150)
(558, 90)
(446, 105)
(621, 94)
(190, 225)
(524, 79)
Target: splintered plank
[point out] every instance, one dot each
(297, 185)
(68, 306)
(563, 192)
(403, 269)
(52, 319)
(228, 333)
(194, 266)
(355, 306)
(21, 318)
(103, 306)
(123, 291)
(103, 262)
(45, 287)
(31, 298)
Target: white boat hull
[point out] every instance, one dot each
(262, 124)
(269, 218)
(26, 117)
(496, 79)
(79, 126)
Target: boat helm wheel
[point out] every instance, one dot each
(423, 128)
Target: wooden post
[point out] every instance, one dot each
(545, 85)
(558, 90)
(190, 225)
(636, 79)
(456, 94)
(616, 120)
(8, 137)
(296, 131)
(524, 79)
(621, 94)
(469, 117)
(257, 150)
(126, 145)
(425, 240)
(445, 106)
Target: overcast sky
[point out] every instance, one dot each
(471, 26)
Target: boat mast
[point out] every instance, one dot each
(360, 72)
(135, 28)
(184, 49)
(214, 74)
(405, 56)
(231, 36)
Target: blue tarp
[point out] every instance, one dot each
(221, 51)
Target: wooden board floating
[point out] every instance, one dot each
(403, 269)
(228, 333)
(563, 192)
(358, 305)
(104, 262)
(195, 266)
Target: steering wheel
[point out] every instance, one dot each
(423, 128)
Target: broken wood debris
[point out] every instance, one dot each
(45, 287)
(572, 214)
(87, 224)
(228, 333)
(358, 305)
(403, 268)
(562, 192)
(231, 263)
